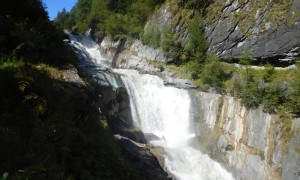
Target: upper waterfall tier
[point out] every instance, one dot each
(89, 50)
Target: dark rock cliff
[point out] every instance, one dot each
(230, 36)
(270, 31)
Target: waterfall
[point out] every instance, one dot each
(164, 112)
(89, 49)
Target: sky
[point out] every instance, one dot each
(54, 6)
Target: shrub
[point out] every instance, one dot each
(295, 95)
(171, 46)
(213, 73)
(246, 58)
(151, 37)
(197, 45)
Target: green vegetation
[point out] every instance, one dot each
(171, 46)
(295, 94)
(275, 90)
(26, 33)
(115, 18)
(151, 37)
(199, 5)
(195, 49)
(49, 128)
(197, 45)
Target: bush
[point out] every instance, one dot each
(43, 121)
(213, 73)
(113, 18)
(246, 58)
(251, 96)
(197, 45)
(171, 46)
(152, 38)
(295, 95)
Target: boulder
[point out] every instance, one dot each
(145, 161)
(222, 143)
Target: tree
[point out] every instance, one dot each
(197, 45)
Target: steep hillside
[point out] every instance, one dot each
(50, 125)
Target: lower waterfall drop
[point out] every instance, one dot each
(165, 112)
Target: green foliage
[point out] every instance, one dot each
(246, 58)
(197, 45)
(213, 73)
(261, 87)
(196, 68)
(295, 95)
(4, 176)
(152, 38)
(110, 17)
(66, 137)
(251, 94)
(199, 5)
(27, 34)
(272, 98)
(171, 46)
(49, 128)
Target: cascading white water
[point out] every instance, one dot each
(158, 109)
(165, 112)
(89, 48)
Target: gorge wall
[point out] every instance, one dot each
(269, 30)
(250, 143)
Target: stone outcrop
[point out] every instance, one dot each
(268, 32)
(143, 158)
(251, 143)
(229, 36)
(141, 57)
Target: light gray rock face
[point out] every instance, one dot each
(179, 83)
(291, 165)
(247, 141)
(161, 18)
(258, 124)
(222, 143)
(229, 41)
(108, 48)
(146, 52)
(171, 15)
